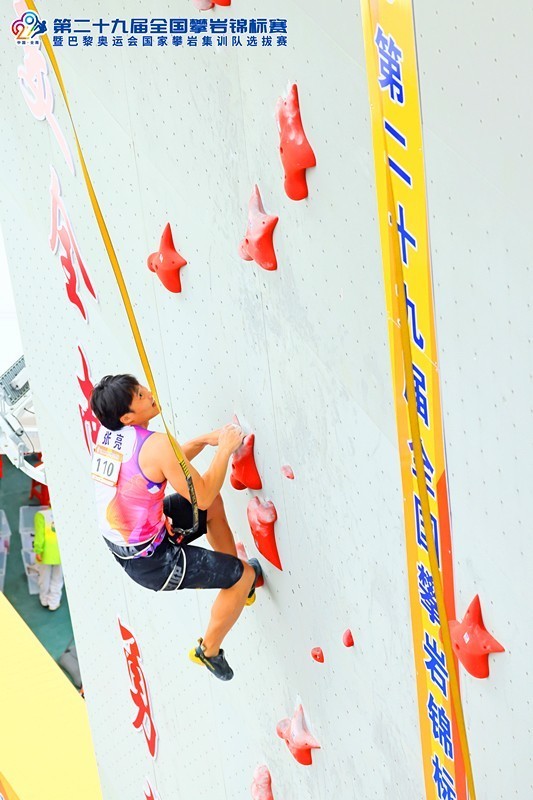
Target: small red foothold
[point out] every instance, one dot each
(297, 737)
(347, 638)
(262, 784)
(205, 5)
(296, 152)
(262, 517)
(257, 244)
(287, 471)
(472, 642)
(243, 555)
(244, 474)
(317, 654)
(167, 262)
(241, 551)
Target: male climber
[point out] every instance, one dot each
(131, 467)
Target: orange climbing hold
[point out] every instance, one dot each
(262, 517)
(347, 638)
(244, 474)
(287, 471)
(296, 152)
(472, 642)
(257, 244)
(297, 737)
(167, 262)
(262, 784)
(317, 654)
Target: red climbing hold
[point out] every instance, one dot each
(167, 262)
(205, 5)
(241, 551)
(347, 638)
(257, 244)
(243, 555)
(262, 517)
(262, 784)
(317, 654)
(244, 474)
(299, 741)
(472, 642)
(287, 471)
(296, 152)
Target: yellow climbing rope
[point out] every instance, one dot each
(118, 275)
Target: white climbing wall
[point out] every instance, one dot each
(301, 355)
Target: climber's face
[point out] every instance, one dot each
(143, 408)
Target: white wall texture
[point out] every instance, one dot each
(301, 355)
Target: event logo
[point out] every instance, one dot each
(28, 28)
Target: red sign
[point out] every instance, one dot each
(139, 690)
(91, 424)
(62, 236)
(37, 90)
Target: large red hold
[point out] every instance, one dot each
(262, 517)
(257, 244)
(167, 262)
(296, 153)
(262, 784)
(472, 642)
(297, 737)
(244, 474)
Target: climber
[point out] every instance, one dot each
(131, 467)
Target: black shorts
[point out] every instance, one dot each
(181, 566)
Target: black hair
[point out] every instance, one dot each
(111, 399)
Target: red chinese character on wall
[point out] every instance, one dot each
(62, 235)
(37, 90)
(149, 793)
(91, 424)
(139, 690)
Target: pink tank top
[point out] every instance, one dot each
(132, 511)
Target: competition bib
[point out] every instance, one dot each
(106, 465)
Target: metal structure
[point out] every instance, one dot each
(19, 436)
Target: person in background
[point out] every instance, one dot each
(49, 562)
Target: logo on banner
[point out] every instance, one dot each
(28, 28)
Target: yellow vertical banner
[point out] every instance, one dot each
(400, 183)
